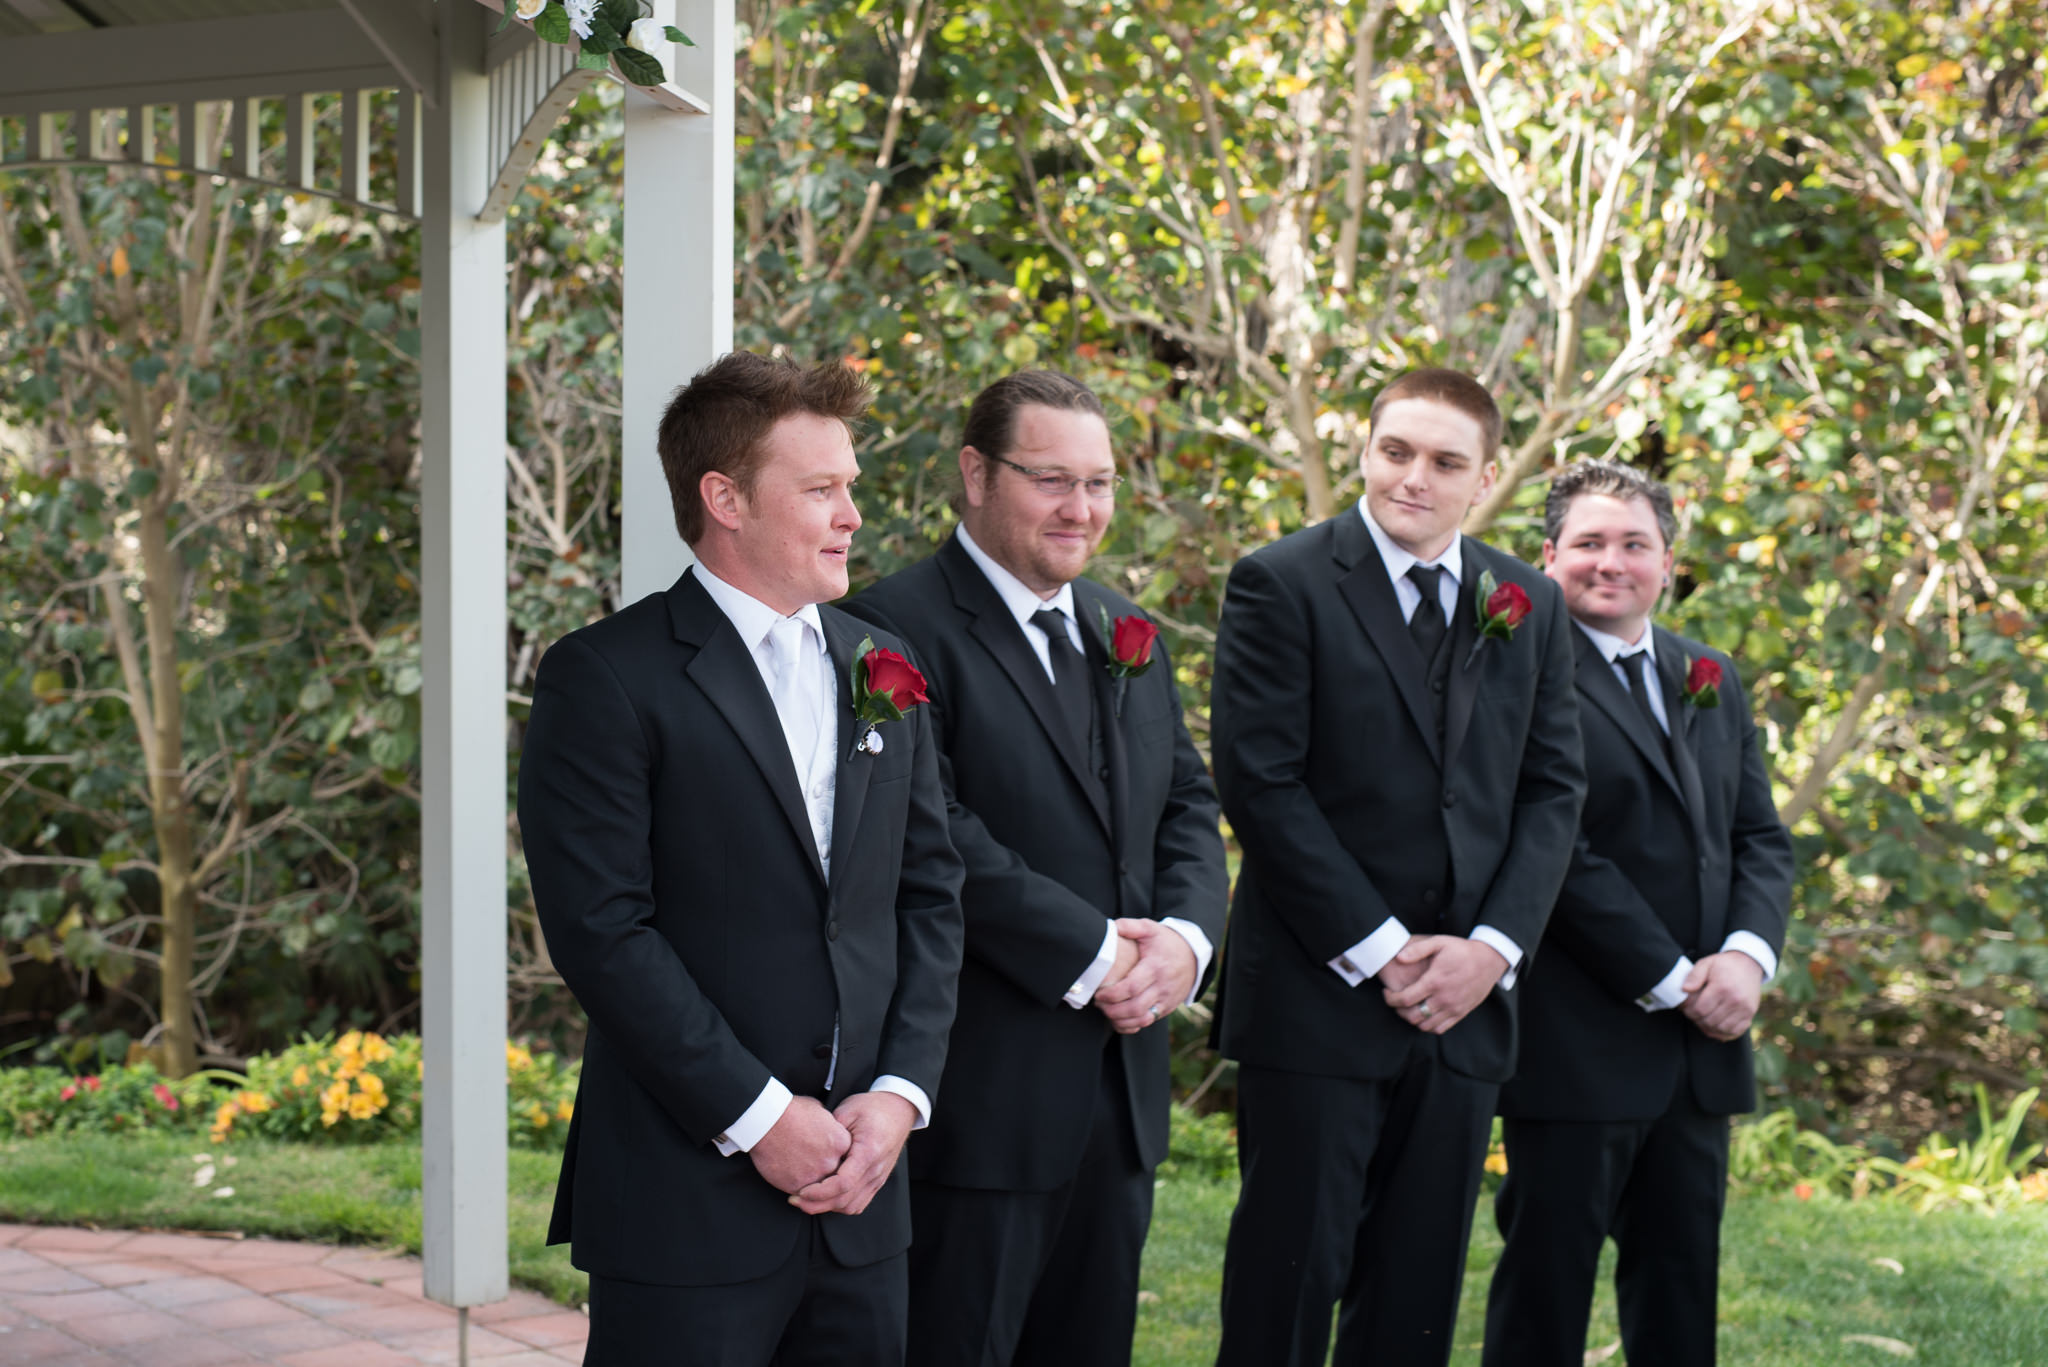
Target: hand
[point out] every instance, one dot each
(803, 1147)
(1126, 960)
(1162, 979)
(879, 1122)
(1396, 974)
(1457, 974)
(1722, 993)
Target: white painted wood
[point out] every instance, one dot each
(678, 272)
(355, 145)
(404, 35)
(409, 191)
(462, 716)
(249, 138)
(531, 86)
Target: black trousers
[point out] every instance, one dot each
(1659, 1188)
(1359, 1192)
(810, 1312)
(1036, 1278)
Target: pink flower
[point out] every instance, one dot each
(163, 1094)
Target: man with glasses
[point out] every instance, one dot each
(1094, 896)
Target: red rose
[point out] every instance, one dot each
(1704, 673)
(1130, 643)
(163, 1094)
(1510, 604)
(894, 677)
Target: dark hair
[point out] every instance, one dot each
(1614, 481)
(992, 417)
(1452, 387)
(718, 420)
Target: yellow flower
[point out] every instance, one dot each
(349, 1068)
(348, 1043)
(566, 1111)
(516, 1057)
(375, 1050)
(1497, 1163)
(539, 1116)
(255, 1103)
(362, 1106)
(372, 1086)
(332, 1102)
(300, 1077)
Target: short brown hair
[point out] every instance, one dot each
(992, 417)
(1614, 481)
(1452, 387)
(718, 420)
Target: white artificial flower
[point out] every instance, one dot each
(581, 12)
(529, 10)
(647, 34)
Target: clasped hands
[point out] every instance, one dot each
(1436, 980)
(835, 1160)
(1722, 993)
(1154, 972)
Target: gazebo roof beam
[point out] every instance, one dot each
(207, 59)
(404, 35)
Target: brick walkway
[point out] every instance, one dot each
(73, 1297)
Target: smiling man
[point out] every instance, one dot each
(1396, 745)
(1635, 1046)
(1095, 891)
(760, 919)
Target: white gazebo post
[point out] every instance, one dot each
(678, 273)
(462, 700)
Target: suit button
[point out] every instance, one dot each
(1123, 867)
(832, 930)
(1450, 801)
(821, 1052)
(1436, 685)
(1103, 773)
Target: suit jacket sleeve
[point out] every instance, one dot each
(1261, 716)
(1549, 791)
(585, 815)
(1760, 892)
(1608, 927)
(1029, 928)
(1189, 877)
(928, 929)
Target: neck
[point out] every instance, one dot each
(739, 574)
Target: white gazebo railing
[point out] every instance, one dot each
(469, 106)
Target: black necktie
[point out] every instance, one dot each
(1427, 625)
(1641, 681)
(1069, 670)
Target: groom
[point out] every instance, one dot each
(755, 902)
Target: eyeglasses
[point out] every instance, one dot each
(1054, 484)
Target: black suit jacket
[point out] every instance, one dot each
(1047, 861)
(1673, 855)
(685, 905)
(1350, 809)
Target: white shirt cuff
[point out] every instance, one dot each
(1498, 942)
(1198, 942)
(1083, 990)
(1366, 958)
(1670, 991)
(910, 1092)
(1752, 944)
(752, 1127)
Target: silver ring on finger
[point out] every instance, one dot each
(1153, 1010)
(1425, 1011)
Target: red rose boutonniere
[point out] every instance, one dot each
(1129, 641)
(885, 687)
(1501, 608)
(1703, 682)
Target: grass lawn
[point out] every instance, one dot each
(1797, 1277)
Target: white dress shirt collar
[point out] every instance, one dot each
(1399, 561)
(1612, 647)
(1019, 598)
(751, 617)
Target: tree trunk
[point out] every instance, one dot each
(170, 810)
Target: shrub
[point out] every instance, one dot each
(114, 1100)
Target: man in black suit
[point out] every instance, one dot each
(755, 904)
(1095, 891)
(1396, 746)
(1636, 1029)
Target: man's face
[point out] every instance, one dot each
(795, 525)
(1044, 540)
(1611, 561)
(1426, 466)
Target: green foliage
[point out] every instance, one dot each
(117, 1100)
(1200, 1147)
(1988, 1173)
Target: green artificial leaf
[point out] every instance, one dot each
(587, 60)
(620, 14)
(603, 38)
(639, 68)
(676, 35)
(552, 24)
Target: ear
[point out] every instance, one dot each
(723, 502)
(1488, 473)
(1550, 556)
(973, 476)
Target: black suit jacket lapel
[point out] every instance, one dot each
(995, 627)
(1684, 720)
(854, 769)
(1116, 753)
(1363, 582)
(1467, 666)
(1597, 681)
(723, 668)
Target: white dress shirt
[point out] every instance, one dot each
(1023, 604)
(797, 668)
(1366, 958)
(1670, 992)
